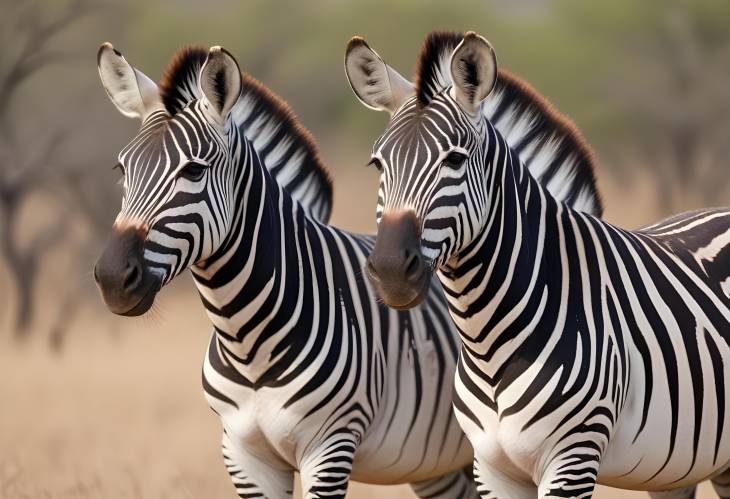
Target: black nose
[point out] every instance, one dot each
(397, 251)
(395, 265)
(125, 285)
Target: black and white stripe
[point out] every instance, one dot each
(591, 353)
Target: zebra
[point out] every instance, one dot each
(590, 353)
(306, 370)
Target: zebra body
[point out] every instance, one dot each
(307, 371)
(590, 352)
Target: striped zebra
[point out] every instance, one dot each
(590, 353)
(307, 371)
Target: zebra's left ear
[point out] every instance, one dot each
(473, 72)
(133, 92)
(220, 83)
(376, 85)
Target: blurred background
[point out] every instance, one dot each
(95, 405)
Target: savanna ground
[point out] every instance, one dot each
(124, 418)
(121, 413)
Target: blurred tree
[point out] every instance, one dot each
(676, 98)
(29, 167)
(647, 83)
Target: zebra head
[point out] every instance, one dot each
(431, 159)
(178, 180)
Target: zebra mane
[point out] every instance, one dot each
(433, 73)
(285, 146)
(547, 142)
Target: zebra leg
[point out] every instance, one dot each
(252, 477)
(721, 484)
(571, 474)
(325, 472)
(455, 485)
(686, 493)
(493, 484)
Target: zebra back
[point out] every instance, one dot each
(546, 141)
(268, 122)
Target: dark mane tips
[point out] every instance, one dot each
(260, 100)
(550, 123)
(432, 73)
(179, 83)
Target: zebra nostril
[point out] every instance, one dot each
(412, 266)
(132, 276)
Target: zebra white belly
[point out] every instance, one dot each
(408, 441)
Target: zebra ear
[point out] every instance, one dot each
(375, 84)
(473, 72)
(133, 92)
(220, 83)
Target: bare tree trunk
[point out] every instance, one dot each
(66, 314)
(24, 279)
(21, 265)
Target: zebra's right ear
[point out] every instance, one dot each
(375, 84)
(220, 82)
(133, 92)
(473, 72)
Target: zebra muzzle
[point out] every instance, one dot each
(396, 266)
(126, 284)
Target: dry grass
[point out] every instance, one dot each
(119, 415)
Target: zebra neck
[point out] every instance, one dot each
(252, 285)
(497, 278)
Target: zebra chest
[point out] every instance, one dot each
(260, 423)
(508, 442)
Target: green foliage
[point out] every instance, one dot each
(593, 60)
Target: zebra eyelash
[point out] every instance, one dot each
(193, 171)
(120, 167)
(376, 163)
(454, 159)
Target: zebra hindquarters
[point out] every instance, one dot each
(685, 493)
(455, 485)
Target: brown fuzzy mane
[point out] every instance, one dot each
(179, 83)
(432, 75)
(517, 97)
(515, 105)
(258, 102)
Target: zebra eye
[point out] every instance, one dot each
(376, 163)
(119, 167)
(193, 171)
(455, 159)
